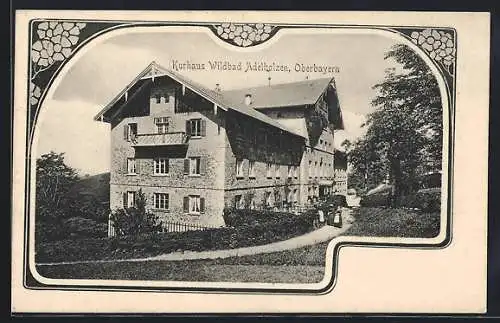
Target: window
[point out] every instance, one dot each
(162, 124)
(290, 196)
(295, 196)
(194, 165)
(161, 166)
(251, 203)
(161, 201)
(194, 204)
(290, 171)
(130, 131)
(195, 127)
(315, 169)
(277, 171)
(268, 198)
(131, 169)
(239, 168)
(251, 169)
(269, 170)
(158, 98)
(238, 202)
(310, 169)
(129, 199)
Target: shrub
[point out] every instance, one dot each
(82, 227)
(375, 200)
(135, 220)
(427, 200)
(250, 228)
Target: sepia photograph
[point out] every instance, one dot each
(222, 165)
(248, 157)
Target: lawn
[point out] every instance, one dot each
(301, 265)
(186, 271)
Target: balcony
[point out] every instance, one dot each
(160, 139)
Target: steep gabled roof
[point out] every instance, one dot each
(280, 95)
(156, 70)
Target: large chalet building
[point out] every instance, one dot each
(194, 151)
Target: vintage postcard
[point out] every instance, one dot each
(177, 162)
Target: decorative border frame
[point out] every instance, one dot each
(55, 42)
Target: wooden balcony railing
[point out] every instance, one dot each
(160, 139)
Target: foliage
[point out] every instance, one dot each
(385, 222)
(427, 200)
(251, 228)
(404, 133)
(84, 228)
(135, 220)
(53, 181)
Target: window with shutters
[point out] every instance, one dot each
(161, 166)
(129, 199)
(160, 201)
(131, 166)
(251, 169)
(162, 124)
(194, 165)
(269, 170)
(194, 127)
(130, 131)
(194, 204)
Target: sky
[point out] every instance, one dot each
(67, 125)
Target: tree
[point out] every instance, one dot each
(54, 179)
(405, 130)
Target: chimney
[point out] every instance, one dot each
(248, 99)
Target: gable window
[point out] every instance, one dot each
(131, 169)
(129, 199)
(161, 166)
(277, 171)
(162, 124)
(160, 201)
(251, 169)
(194, 204)
(239, 168)
(196, 127)
(269, 170)
(130, 131)
(158, 98)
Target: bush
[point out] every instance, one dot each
(250, 228)
(135, 220)
(375, 200)
(427, 200)
(82, 227)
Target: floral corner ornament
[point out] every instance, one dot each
(244, 35)
(53, 42)
(438, 44)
